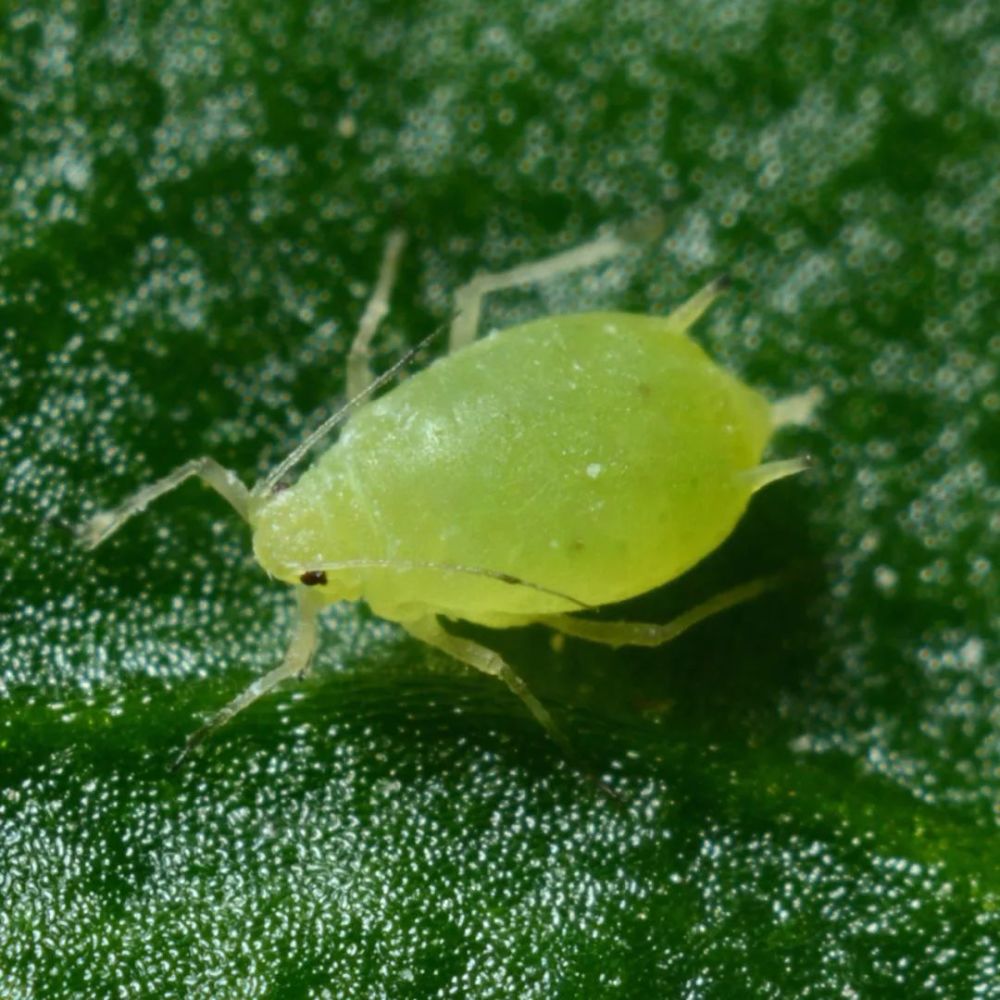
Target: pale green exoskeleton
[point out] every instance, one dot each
(526, 477)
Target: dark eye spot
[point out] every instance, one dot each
(313, 577)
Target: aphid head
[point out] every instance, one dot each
(301, 529)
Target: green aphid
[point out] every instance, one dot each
(543, 471)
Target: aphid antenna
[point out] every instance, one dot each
(408, 564)
(278, 473)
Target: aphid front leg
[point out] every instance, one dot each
(617, 634)
(469, 297)
(295, 664)
(97, 528)
(429, 630)
(359, 373)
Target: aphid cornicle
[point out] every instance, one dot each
(526, 477)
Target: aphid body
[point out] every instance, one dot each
(550, 467)
(599, 454)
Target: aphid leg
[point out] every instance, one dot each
(97, 528)
(295, 663)
(359, 373)
(770, 472)
(429, 630)
(796, 410)
(642, 634)
(469, 297)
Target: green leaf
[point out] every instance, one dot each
(193, 203)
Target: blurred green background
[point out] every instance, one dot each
(193, 202)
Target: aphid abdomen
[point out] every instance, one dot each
(596, 455)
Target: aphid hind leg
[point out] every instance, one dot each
(97, 528)
(295, 663)
(620, 633)
(469, 297)
(359, 373)
(794, 411)
(429, 630)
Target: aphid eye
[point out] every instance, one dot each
(313, 577)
